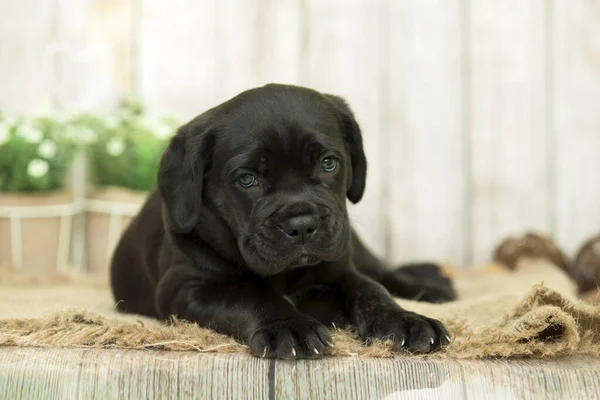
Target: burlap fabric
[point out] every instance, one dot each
(531, 311)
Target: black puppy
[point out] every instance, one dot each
(248, 232)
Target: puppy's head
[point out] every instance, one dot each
(275, 165)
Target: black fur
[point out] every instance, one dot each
(272, 264)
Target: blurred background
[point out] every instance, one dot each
(480, 118)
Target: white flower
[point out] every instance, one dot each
(71, 132)
(47, 149)
(82, 133)
(4, 133)
(115, 146)
(30, 133)
(37, 168)
(10, 121)
(112, 122)
(88, 135)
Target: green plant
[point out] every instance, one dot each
(35, 154)
(126, 149)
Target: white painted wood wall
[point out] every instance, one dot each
(481, 118)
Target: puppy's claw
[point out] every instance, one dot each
(264, 352)
(448, 338)
(333, 323)
(432, 341)
(294, 352)
(330, 344)
(403, 342)
(316, 351)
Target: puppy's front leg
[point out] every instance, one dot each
(374, 312)
(249, 311)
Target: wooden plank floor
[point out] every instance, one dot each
(37, 373)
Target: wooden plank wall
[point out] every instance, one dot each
(575, 103)
(507, 120)
(427, 201)
(481, 118)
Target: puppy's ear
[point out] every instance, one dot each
(353, 138)
(181, 174)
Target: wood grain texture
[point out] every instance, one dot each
(24, 37)
(28, 373)
(279, 33)
(93, 53)
(217, 48)
(576, 105)
(88, 374)
(342, 55)
(424, 170)
(508, 122)
(177, 65)
(258, 43)
(236, 39)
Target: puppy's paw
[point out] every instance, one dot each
(428, 285)
(407, 330)
(295, 338)
(432, 292)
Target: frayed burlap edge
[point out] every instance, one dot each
(543, 324)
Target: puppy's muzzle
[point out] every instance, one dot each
(300, 228)
(299, 222)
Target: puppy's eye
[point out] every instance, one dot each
(329, 164)
(247, 180)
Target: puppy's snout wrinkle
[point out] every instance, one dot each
(300, 228)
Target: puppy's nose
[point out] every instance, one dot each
(300, 227)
